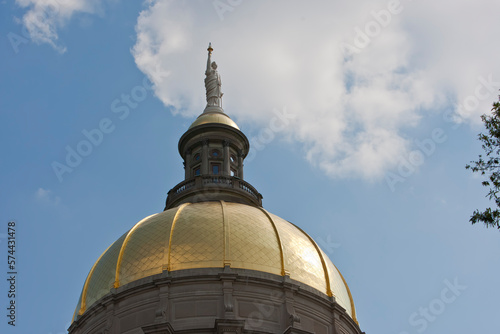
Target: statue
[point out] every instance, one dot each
(212, 82)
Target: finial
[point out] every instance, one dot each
(210, 48)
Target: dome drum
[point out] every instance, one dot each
(209, 145)
(209, 300)
(214, 132)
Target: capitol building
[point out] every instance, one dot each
(214, 261)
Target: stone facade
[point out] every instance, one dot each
(215, 300)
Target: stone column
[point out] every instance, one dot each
(226, 169)
(187, 165)
(204, 158)
(240, 164)
(162, 312)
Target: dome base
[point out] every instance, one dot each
(208, 300)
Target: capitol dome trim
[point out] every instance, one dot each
(283, 271)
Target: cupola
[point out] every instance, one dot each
(213, 150)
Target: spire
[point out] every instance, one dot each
(212, 85)
(213, 150)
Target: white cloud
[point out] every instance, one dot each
(46, 197)
(43, 18)
(351, 111)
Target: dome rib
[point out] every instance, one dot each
(353, 309)
(122, 250)
(329, 292)
(174, 221)
(283, 271)
(83, 304)
(225, 231)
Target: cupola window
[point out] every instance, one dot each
(216, 154)
(197, 157)
(215, 169)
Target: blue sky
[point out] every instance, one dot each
(384, 114)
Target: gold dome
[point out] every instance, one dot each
(214, 234)
(214, 117)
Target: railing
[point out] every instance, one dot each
(249, 189)
(214, 181)
(185, 185)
